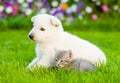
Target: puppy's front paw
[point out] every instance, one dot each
(32, 67)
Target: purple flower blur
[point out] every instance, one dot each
(45, 3)
(30, 4)
(8, 4)
(80, 5)
(58, 11)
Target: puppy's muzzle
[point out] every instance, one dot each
(31, 36)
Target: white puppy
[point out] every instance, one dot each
(49, 35)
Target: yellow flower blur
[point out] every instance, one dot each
(64, 6)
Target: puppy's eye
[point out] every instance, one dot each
(42, 29)
(56, 25)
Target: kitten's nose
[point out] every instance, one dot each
(59, 65)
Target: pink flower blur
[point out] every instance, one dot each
(105, 8)
(15, 9)
(1, 14)
(94, 16)
(14, 12)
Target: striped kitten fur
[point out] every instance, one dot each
(64, 60)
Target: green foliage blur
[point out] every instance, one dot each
(106, 21)
(102, 24)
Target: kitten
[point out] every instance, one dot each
(64, 59)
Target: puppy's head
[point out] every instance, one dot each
(45, 27)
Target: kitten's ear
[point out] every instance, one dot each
(70, 53)
(56, 50)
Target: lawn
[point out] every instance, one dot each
(17, 50)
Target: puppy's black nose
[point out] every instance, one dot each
(31, 36)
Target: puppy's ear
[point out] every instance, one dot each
(55, 22)
(33, 18)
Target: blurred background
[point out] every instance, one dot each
(75, 14)
(97, 21)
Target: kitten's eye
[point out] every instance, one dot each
(42, 29)
(56, 60)
(61, 61)
(66, 61)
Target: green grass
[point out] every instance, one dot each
(16, 51)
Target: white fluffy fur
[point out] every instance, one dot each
(54, 37)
